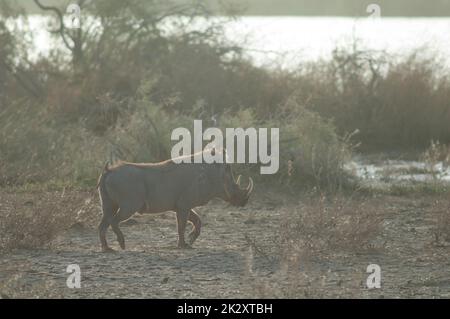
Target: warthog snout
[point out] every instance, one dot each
(236, 195)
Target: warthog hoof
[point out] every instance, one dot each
(184, 246)
(191, 238)
(108, 250)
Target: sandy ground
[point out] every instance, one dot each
(236, 256)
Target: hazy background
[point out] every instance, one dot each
(401, 8)
(404, 8)
(137, 69)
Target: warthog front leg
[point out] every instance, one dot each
(194, 219)
(182, 218)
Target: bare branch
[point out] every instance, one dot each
(61, 29)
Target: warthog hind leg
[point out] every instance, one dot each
(123, 214)
(195, 220)
(182, 218)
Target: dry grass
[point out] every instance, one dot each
(436, 154)
(441, 230)
(15, 288)
(32, 221)
(324, 224)
(318, 248)
(315, 231)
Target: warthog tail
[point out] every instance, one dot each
(105, 171)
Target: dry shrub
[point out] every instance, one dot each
(32, 220)
(320, 229)
(313, 148)
(441, 230)
(143, 134)
(35, 148)
(436, 154)
(393, 102)
(322, 226)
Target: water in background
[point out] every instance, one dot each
(286, 41)
(310, 38)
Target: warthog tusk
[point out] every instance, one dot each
(250, 186)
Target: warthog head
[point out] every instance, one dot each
(233, 192)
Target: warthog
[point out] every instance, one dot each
(129, 188)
